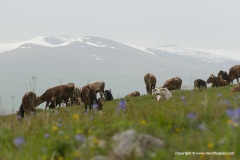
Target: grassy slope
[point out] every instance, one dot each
(52, 133)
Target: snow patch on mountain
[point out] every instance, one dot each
(49, 41)
(97, 58)
(211, 56)
(140, 48)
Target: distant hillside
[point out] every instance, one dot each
(50, 61)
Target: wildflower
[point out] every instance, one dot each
(229, 121)
(177, 130)
(44, 158)
(210, 145)
(95, 140)
(121, 105)
(54, 128)
(19, 117)
(59, 124)
(232, 123)
(202, 156)
(202, 127)
(46, 135)
(56, 112)
(79, 131)
(89, 131)
(192, 116)
(80, 138)
(75, 116)
(61, 132)
(76, 155)
(95, 105)
(234, 115)
(19, 142)
(183, 98)
(219, 94)
(60, 158)
(143, 122)
(66, 137)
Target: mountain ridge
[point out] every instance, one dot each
(83, 60)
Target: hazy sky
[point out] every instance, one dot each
(210, 24)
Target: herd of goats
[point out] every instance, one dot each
(72, 95)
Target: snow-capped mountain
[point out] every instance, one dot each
(49, 41)
(46, 61)
(207, 55)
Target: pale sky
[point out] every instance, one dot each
(207, 24)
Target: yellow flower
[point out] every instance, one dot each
(89, 131)
(232, 123)
(66, 137)
(75, 116)
(210, 145)
(229, 121)
(177, 130)
(60, 158)
(228, 157)
(76, 154)
(143, 122)
(95, 140)
(44, 158)
(79, 131)
(201, 156)
(54, 128)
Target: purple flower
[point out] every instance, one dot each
(80, 138)
(56, 112)
(183, 98)
(234, 114)
(95, 106)
(59, 124)
(122, 104)
(47, 135)
(19, 117)
(202, 127)
(19, 142)
(219, 94)
(192, 116)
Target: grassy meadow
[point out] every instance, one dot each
(192, 121)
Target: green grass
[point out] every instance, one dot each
(166, 120)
